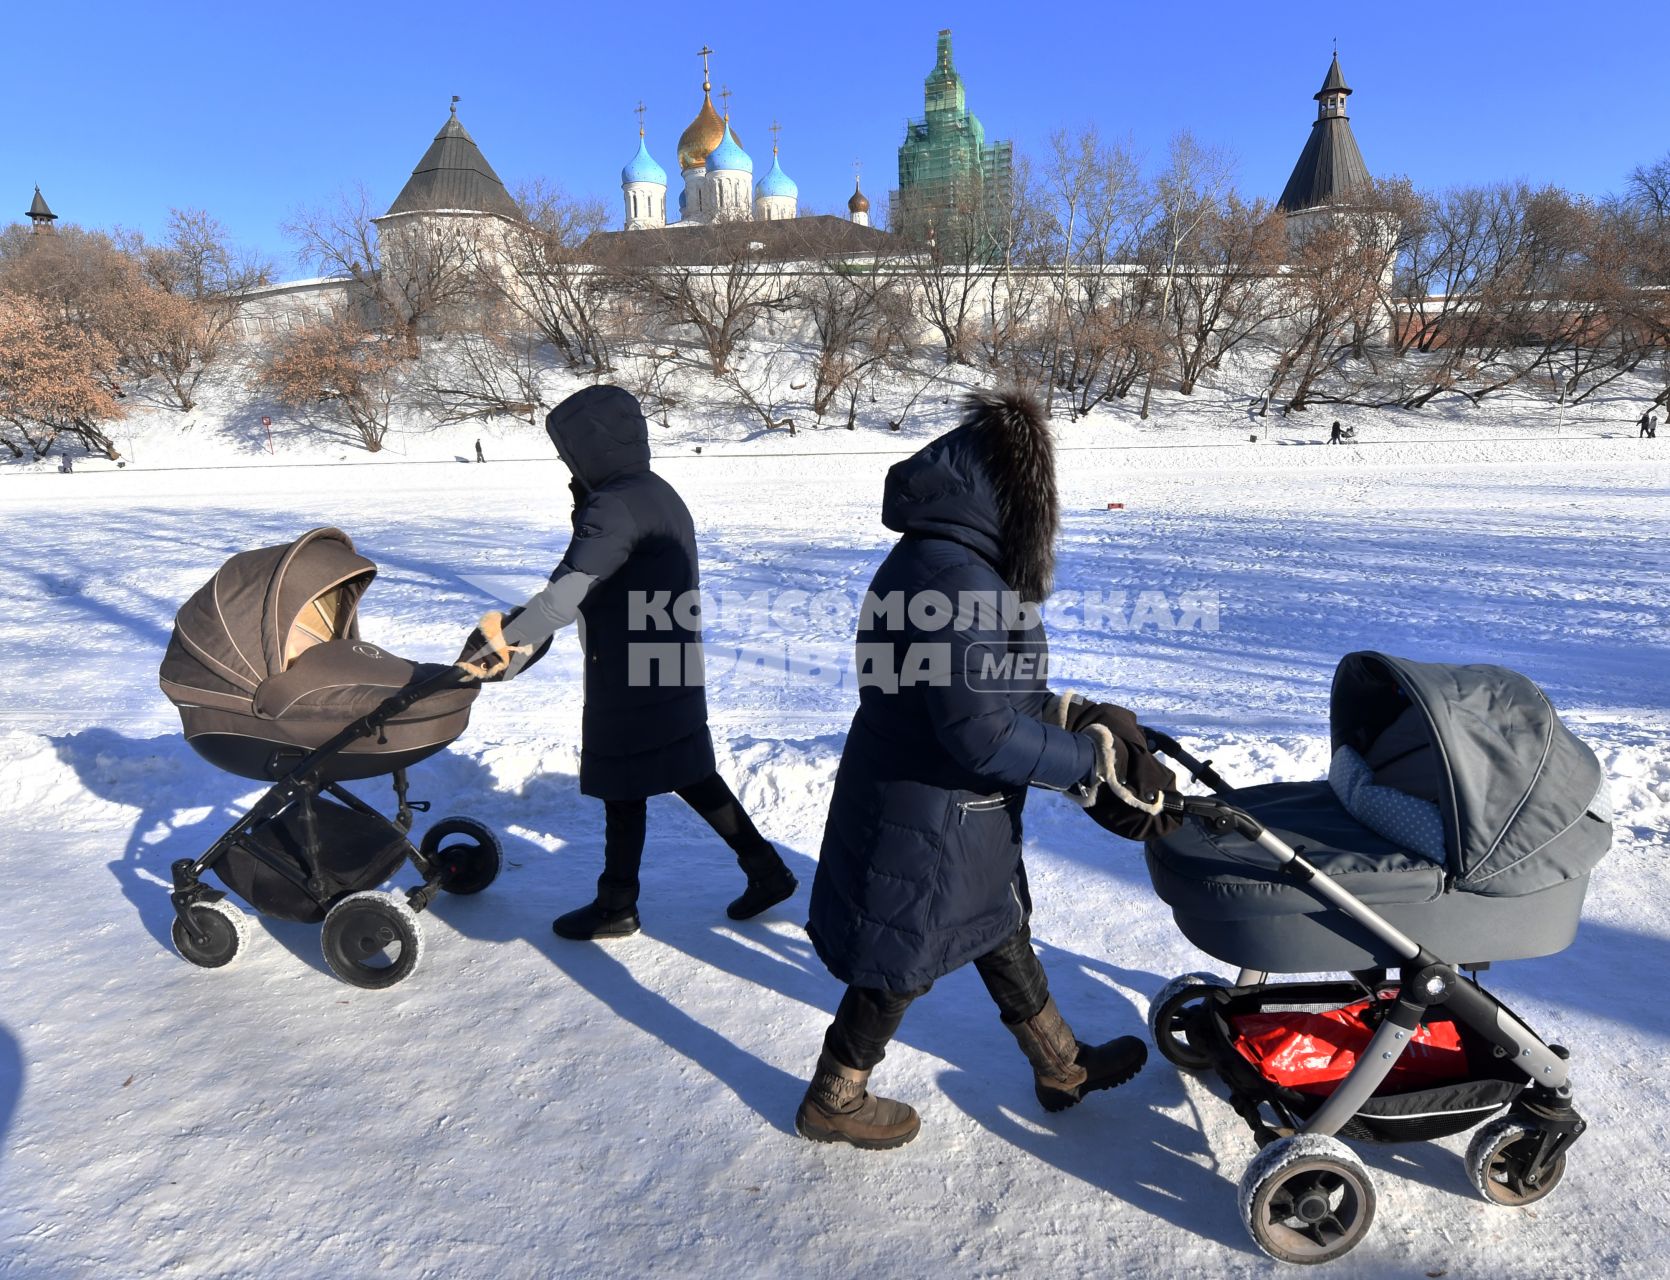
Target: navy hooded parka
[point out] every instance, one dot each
(644, 730)
(920, 869)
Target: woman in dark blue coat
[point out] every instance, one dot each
(630, 575)
(920, 870)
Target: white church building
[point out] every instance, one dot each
(717, 177)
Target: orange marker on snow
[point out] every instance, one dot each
(1116, 506)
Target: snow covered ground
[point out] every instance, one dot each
(528, 1107)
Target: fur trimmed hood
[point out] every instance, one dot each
(990, 485)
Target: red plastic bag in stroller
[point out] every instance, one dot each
(1312, 1052)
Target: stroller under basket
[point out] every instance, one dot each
(1458, 827)
(273, 683)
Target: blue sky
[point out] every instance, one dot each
(120, 111)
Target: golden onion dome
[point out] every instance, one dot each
(705, 133)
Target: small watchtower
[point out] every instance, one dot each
(41, 217)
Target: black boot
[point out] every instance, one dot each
(769, 880)
(1110, 1065)
(766, 891)
(594, 920)
(1064, 1069)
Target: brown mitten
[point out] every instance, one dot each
(488, 654)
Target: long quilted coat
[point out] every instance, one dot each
(644, 729)
(920, 869)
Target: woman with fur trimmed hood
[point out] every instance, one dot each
(920, 871)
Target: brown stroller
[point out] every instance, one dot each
(273, 682)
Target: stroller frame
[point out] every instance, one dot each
(1425, 983)
(294, 791)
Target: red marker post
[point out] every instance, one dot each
(1116, 506)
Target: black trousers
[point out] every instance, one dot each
(623, 838)
(867, 1018)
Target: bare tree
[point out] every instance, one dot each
(196, 259)
(74, 273)
(1103, 330)
(953, 246)
(761, 384)
(171, 338)
(1187, 192)
(553, 281)
(1463, 283)
(1336, 293)
(715, 303)
(1585, 340)
(1229, 293)
(858, 313)
(1090, 195)
(418, 273)
(1647, 310)
(652, 372)
(176, 314)
(1649, 188)
(1013, 326)
(338, 238)
(338, 365)
(1126, 339)
(493, 367)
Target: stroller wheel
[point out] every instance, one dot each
(1306, 1198)
(225, 932)
(1499, 1157)
(372, 939)
(466, 853)
(1168, 1016)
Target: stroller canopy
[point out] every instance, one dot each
(266, 664)
(264, 608)
(1522, 799)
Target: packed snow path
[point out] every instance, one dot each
(528, 1107)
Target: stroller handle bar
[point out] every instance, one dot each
(1200, 770)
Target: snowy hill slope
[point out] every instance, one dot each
(226, 429)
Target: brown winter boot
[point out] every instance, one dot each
(837, 1108)
(1064, 1069)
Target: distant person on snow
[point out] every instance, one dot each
(629, 568)
(479, 455)
(1649, 427)
(1336, 435)
(920, 871)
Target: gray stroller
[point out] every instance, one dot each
(1457, 827)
